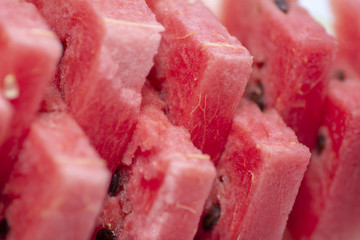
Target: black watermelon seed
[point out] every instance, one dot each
(105, 234)
(320, 143)
(282, 5)
(257, 96)
(340, 75)
(4, 228)
(211, 218)
(114, 185)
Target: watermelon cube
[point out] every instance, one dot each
(292, 57)
(201, 70)
(328, 206)
(160, 191)
(347, 28)
(58, 184)
(109, 48)
(29, 53)
(258, 177)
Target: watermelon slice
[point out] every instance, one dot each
(201, 70)
(347, 28)
(57, 186)
(328, 204)
(258, 177)
(292, 57)
(29, 52)
(160, 191)
(109, 52)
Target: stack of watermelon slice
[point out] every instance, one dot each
(154, 122)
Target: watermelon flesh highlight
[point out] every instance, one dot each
(328, 203)
(6, 113)
(29, 53)
(163, 184)
(109, 52)
(258, 177)
(347, 29)
(57, 187)
(201, 70)
(292, 57)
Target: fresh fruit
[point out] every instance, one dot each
(328, 206)
(347, 28)
(201, 70)
(109, 49)
(29, 53)
(58, 184)
(258, 177)
(292, 57)
(160, 191)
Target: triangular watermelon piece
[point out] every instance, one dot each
(57, 187)
(292, 57)
(201, 70)
(258, 178)
(29, 53)
(328, 204)
(162, 191)
(109, 48)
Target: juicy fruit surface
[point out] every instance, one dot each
(328, 198)
(262, 161)
(6, 112)
(346, 13)
(108, 54)
(57, 186)
(292, 56)
(163, 190)
(29, 54)
(201, 70)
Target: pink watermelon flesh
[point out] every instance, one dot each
(328, 204)
(258, 177)
(109, 52)
(57, 187)
(29, 53)
(6, 113)
(162, 191)
(347, 28)
(292, 57)
(201, 70)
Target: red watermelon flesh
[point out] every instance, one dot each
(292, 57)
(109, 52)
(201, 70)
(162, 192)
(328, 204)
(347, 28)
(6, 113)
(57, 187)
(29, 53)
(258, 177)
